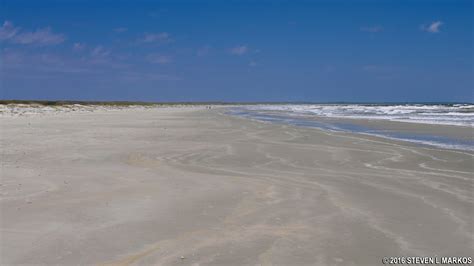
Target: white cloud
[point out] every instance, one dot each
(161, 37)
(252, 64)
(121, 29)
(373, 29)
(100, 51)
(239, 50)
(44, 36)
(8, 31)
(78, 46)
(433, 27)
(39, 37)
(158, 58)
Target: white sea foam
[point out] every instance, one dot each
(453, 114)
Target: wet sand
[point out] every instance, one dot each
(191, 186)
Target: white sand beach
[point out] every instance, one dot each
(195, 186)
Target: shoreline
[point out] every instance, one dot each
(432, 135)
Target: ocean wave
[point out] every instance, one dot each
(452, 114)
(301, 115)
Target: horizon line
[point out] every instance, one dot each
(126, 102)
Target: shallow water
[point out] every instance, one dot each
(347, 121)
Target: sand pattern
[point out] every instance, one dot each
(194, 186)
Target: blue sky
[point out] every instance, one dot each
(237, 50)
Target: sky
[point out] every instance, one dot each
(311, 51)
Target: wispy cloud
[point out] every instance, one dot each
(433, 27)
(8, 31)
(36, 64)
(100, 51)
(239, 50)
(42, 36)
(158, 58)
(372, 29)
(121, 29)
(252, 64)
(78, 47)
(161, 37)
(100, 64)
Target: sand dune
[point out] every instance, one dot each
(192, 186)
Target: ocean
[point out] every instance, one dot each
(441, 125)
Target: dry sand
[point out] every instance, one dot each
(190, 186)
